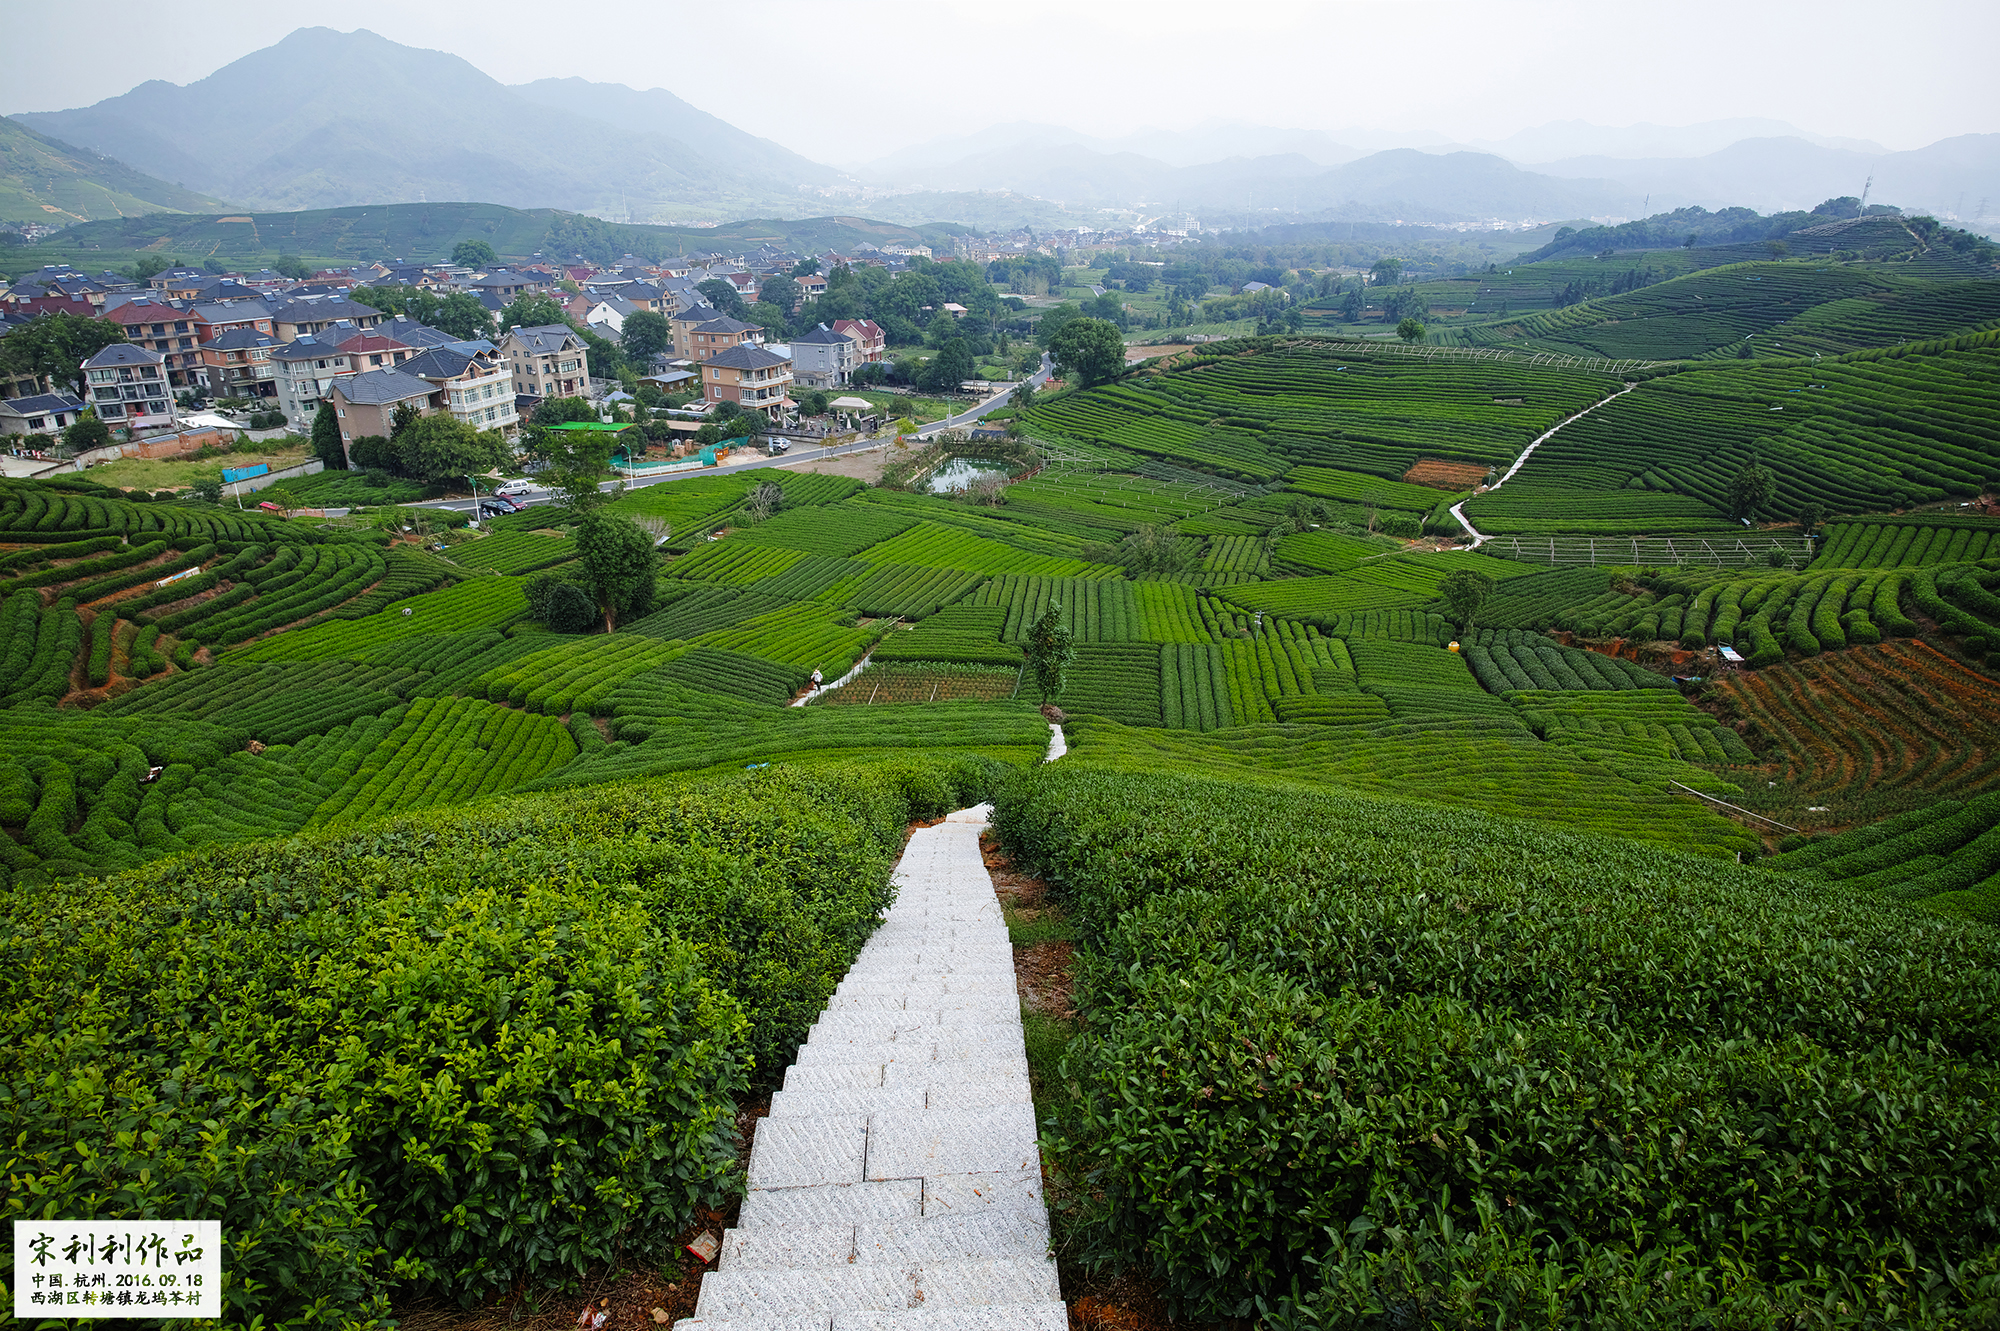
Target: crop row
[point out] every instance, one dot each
(271, 702)
(1900, 545)
(1118, 680)
(911, 591)
(923, 682)
(967, 634)
(578, 675)
(940, 546)
(1945, 856)
(733, 562)
(832, 533)
(1237, 554)
(514, 552)
(1647, 723)
(445, 751)
(39, 649)
(690, 609)
(805, 636)
(473, 604)
(1093, 610)
(1507, 659)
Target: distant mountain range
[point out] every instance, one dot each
(325, 119)
(46, 180)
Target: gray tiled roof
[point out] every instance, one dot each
(725, 324)
(436, 363)
(746, 357)
(43, 404)
(237, 339)
(380, 387)
(123, 353)
(546, 337)
(315, 311)
(822, 334)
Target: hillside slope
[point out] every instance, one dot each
(46, 180)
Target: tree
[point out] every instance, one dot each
(208, 489)
(770, 318)
(55, 346)
(782, 292)
(1778, 248)
(434, 448)
(765, 500)
(1410, 331)
(86, 432)
(1089, 351)
(560, 605)
(723, 296)
(1050, 652)
(473, 254)
(805, 268)
(531, 310)
(292, 266)
(646, 335)
(1463, 591)
(1811, 514)
(1387, 272)
(1151, 549)
(326, 438)
(279, 495)
(405, 415)
(948, 369)
(1750, 490)
(618, 565)
(579, 460)
(1055, 320)
(463, 317)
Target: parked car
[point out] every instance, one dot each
(514, 487)
(780, 446)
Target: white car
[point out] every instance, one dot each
(517, 487)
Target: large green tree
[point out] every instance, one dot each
(646, 335)
(531, 309)
(944, 372)
(618, 564)
(55, 346)
(723, 296)
(1088, 351)
(461, 315)
(84, 433)
(440, 447)
(1750, 490)
(782, 292)
(474, 254)
(1463, 592)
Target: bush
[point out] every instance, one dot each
(1338, 1051)
(560, 605)
(452, 1051)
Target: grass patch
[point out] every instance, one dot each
(178, 473)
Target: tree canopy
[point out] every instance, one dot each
(1088, 351)
(1049, 652)
(56, 346)
(618, 565)
(646, 335)
(1464, 591)
(326, 440)
(531, 309)
(435, 447)
(474, 254)
(723, 296)
(1750, 490)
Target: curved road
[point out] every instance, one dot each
(799, 453)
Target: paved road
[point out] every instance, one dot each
(801, 452)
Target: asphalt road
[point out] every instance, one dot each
(800, 451)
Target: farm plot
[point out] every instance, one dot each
(1915, 541)
(1093, 609)
(835, 532)
(1869, 732)
(1504, 660)
(514, 552)
(577, 675)
(1945, 856)
(939, 546)
(910, 591)
(272, 703)
(445, 751)
(806, 636)
(473, 604)
(923, 682)
(1118, 680)
(961, 634)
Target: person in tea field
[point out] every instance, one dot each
(816, 680)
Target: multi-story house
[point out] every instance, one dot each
(173, 330)
(870, 343)
(547, 361)
(297, 317)
(366, 403)
(700, 333)
(822, 358)
(476, 388)
(128, 387)
(238, 364)
(43, 413)
(749, 376)
(304, 370)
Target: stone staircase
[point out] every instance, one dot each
(897, 1182)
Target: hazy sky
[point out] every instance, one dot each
(815, 75)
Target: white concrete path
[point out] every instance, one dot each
(897, 1183)
(1479, 538)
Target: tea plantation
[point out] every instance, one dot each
(1538, 962)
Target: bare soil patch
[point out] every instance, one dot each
(1442, 475)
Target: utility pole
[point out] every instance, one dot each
(1863, 209)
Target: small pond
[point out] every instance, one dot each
(957, 473)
